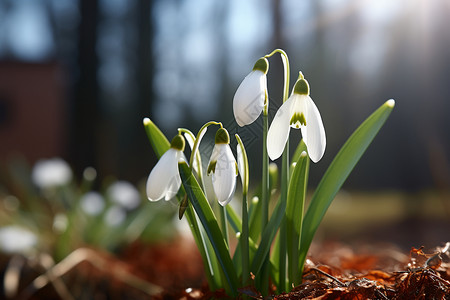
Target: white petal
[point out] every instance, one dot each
(240, 162)
(164, 180)
(224, 176)
(279, 129)
(313, 133)
(189, 139)
(191, 143)
(248, 100)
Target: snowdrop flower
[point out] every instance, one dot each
(164, 180)
(223, 167)
(15, 239)
(250, 97)
(124, 194)
(92, 203)
(299, 111)
(115, 215)
(49, 173)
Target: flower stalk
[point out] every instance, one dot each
(287, 225)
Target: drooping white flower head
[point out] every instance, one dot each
(49, 173)
(250, 97)
(223, 167)
(124, 194)
(15, 239)
(164, 180)
(92, 203)
(299, 112)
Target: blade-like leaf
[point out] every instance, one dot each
(209, 222)
(160, 145)
(298, 151)
(267, 237)
(158, 140)
(338, 171)
(294, 214)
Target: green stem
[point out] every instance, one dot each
(198, 138)
(223, 223)
(244, 238)
(283, 234)
(265, 193)
(265, 170)
(285, 59)
(195, 154)
(244, 242)
(284, 176)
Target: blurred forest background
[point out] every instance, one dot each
(78, 76)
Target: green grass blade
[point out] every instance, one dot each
(255, 209)
(233, 219)
(207, 218)
(204, 247)
(294, 214)
(298, 151)
(267, 237)
(338, 171)
(158, 140)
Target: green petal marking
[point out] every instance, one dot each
(298, 119)
(211, 167)
(222, 136)
(178, 142)
(262, 65)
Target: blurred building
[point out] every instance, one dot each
(32, 111)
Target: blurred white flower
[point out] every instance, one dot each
(15, 239)
(92, 203)
(115, 215)
(124, 194)
(60, 223)
(48, 173)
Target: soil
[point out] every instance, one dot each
(174, 271)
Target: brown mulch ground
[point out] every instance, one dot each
(174, 271)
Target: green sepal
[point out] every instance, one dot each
(222, 136)
(301, 87)
(262, 65)
(178, 142)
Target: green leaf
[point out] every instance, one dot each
(209, 222)
(255, 209)
(267, 237)
(294, 214)
(158, 140)
(338, 171)
(233, 219)
(298, 151)
(204, 247)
